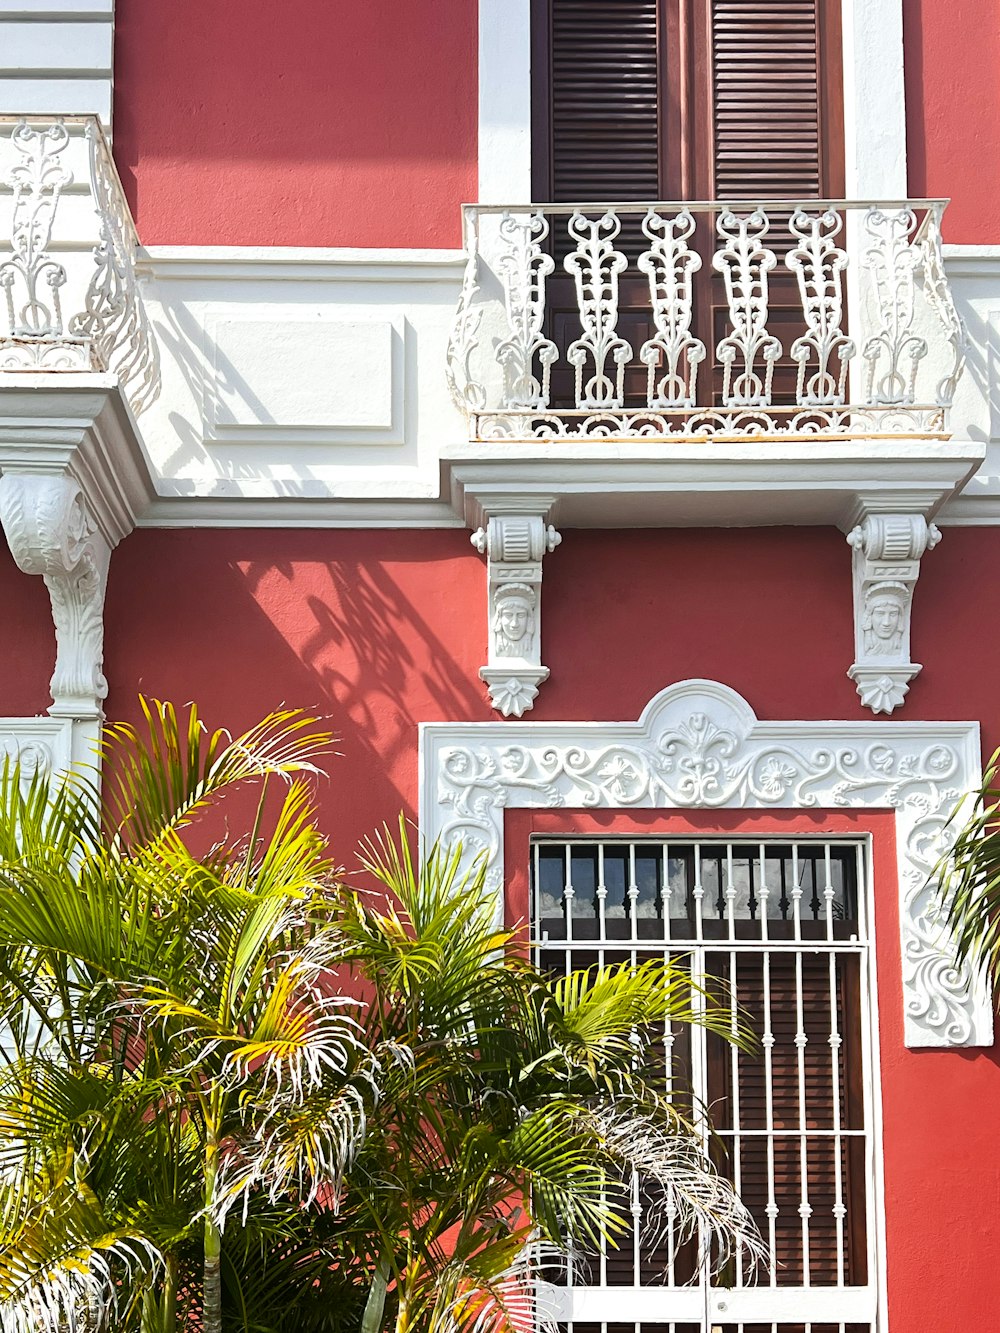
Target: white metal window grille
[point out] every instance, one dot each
(780, 930)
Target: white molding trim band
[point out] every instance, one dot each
(57, 57)
(504, 101)
(699, 745)
(874, 99)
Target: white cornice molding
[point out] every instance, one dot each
(286, 263)
(56, 58)
(80, 426)
(607, 483)
(972, 261)
(699, 745)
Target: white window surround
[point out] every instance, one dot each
(874, 105)
(699, 745)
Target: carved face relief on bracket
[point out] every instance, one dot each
(884, 620)
(514, 620)
(698, 745)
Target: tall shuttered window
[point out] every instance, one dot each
(778, 932)
(646, 100)
(687, 99)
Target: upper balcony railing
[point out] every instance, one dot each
(723, 320)
(68, 294)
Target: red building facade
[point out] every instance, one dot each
(727, 464)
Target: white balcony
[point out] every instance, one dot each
(734, 362)
(69, 300)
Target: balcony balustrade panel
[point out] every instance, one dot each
(723, 320)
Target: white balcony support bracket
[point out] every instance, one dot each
(514, 545)
(52, 533)
(74, 480)
(887, 550)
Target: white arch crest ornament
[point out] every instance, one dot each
(699, 745)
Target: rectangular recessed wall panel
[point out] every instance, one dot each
(322, 378)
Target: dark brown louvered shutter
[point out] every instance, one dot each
(777, 121)
(772, 93)
(667, 99)
(596, 76)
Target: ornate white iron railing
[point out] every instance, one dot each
(836, 320)
(68, 293)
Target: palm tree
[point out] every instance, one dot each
(239, 1089)
(969, 876)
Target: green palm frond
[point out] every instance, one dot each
(60, 1254)
(969, 874)
(159, 778)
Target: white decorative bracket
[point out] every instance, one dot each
(51, 533)
(74, 479)
(514, 545)
(698, 745)
(886, 563)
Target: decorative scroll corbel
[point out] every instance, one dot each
(51, 533)
(514, 545)
(886, 563)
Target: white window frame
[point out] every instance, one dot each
(698, 744)
(874, 104)
(756, 1301)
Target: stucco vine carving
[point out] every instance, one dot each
(699, 745)
(51, 533)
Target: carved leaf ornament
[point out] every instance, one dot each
(698, 745)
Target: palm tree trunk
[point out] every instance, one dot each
(371, 1320)
(169, 1303)
(212, 1282)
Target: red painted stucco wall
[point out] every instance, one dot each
(382, 630)
(294, 122)
(952, 69)
(28, 651)
(286, 122)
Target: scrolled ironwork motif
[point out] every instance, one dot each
(670, 265)
(744, 262)
(596, 266)
(818, 264)
(941, 301)
(467, 393)
(523, 268)
(32, 278)
(895, 350)
(113, 315)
